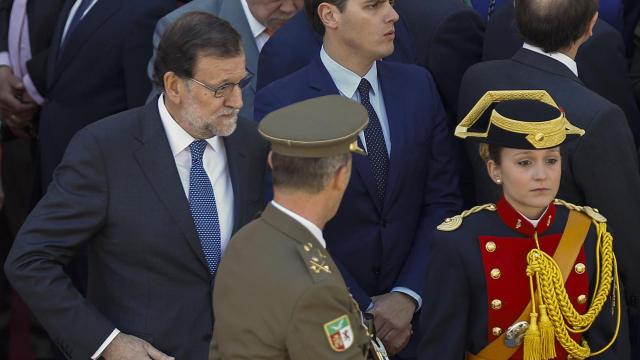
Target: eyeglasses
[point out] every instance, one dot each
(225, 89)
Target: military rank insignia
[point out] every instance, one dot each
(339, 333)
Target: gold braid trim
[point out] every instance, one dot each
(455, 222)
(561, 312)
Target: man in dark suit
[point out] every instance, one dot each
(155, 192)
(296, 44)
(607, 75)
(599, 169)
(96, 68)
(408, 180)
(448, 39)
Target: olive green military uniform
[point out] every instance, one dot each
(278, 294)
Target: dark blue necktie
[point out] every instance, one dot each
(202, 203)
(491, 9)
(376, 146)
(75, 20)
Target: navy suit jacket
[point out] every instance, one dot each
(118, 191)
(295, 44)
(99, 72)
(608, 75)
(381, 246)
(448, 39)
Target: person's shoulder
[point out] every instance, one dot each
(122, 124)
(477, 220)
(209, 6)
(593, 213)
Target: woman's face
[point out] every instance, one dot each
(530, 178)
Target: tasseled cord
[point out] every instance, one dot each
(532, 343)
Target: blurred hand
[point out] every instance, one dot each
(128, 347)
(15, 103)
(392, 314)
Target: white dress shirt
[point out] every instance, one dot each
(564, 59)
(347, 83)
(257, 29)
(215, 164)
(72, 13)
(313, 229)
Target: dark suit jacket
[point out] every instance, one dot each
(382, 245)
(295, 44)
(608, 75)
(448, 38)
(600, 169)
(118, 190)
(100, 72)
(42, 15)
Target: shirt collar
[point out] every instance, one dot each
(346, 80)
(520, 223)
(256, 27)
(313, 229)
(567, 61)
(178, 138)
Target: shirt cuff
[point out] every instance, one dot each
(106, 343)
(410, 293)
(4, 59)
(32, 90)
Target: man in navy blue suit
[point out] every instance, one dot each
(408, 181)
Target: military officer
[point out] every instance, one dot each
(278, 293)
(530, 277)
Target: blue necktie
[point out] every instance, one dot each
(202, 203)
(75, 20)
(376, 146)
(491, 9)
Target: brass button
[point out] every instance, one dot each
(582, 299)
(496, 304)
(495, 273)
(539, 136)
(496, 331)
(579, 268)
(490, 246)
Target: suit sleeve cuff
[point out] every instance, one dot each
(32, 90)
(4, 59)
(409, 293)
(106, 343)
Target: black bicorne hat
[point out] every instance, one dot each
(520, 119)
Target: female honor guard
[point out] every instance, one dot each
(529, 277)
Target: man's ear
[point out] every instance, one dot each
(592, 24)
(329, 15)
(269, 161)
(173, 87)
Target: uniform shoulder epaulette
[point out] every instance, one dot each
(591, 212)
(455, 222)
(316, 261)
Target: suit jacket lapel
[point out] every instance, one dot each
(97, 16)
(157, 162)
(395, 107)
(55, 42)
(237, 163)
(320, 80)
(544, 63)
(234, 13)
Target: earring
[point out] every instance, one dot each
(498, 181)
